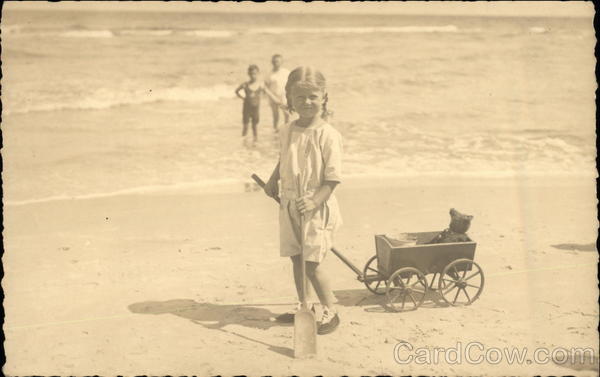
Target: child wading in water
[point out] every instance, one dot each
(309, 146)
(276, 83)
(252, 92)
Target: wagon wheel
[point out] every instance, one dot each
(372, 278)
(461, 282)
(406, 289)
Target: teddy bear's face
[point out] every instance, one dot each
(459, 223)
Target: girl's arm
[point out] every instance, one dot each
(321, 195)
(237, 91)
(272, 186)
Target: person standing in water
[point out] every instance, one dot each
(276, 84)
(251, 108)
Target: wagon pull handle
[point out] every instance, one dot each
(359, 274)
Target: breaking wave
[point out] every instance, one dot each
(107, 98)
(88, 34)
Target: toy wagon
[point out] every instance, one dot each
(400, 271)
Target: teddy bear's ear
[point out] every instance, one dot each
(452, 211)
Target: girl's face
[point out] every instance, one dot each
(307, 101)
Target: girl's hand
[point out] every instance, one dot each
(305, 204)
(272, 188)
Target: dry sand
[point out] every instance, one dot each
(186, 284)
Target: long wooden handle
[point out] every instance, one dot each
(262, 184)
(302, 261)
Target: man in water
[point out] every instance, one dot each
(276, 84)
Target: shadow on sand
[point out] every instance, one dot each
(378, 303)
(581, 362)
(576, 247)
(215, 317)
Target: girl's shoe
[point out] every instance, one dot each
(329, 322)
(289, 316)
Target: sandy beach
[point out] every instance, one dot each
(136, 244)
(183, 283)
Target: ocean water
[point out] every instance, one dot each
(98, 103)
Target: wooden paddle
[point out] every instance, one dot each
(305, 324)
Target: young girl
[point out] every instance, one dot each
(312, 148)
(252, 92)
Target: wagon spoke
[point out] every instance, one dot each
(448, 280)
(393, 296)
(433, 279)
(413, 299)
(397, 293)
(405, 292)
(399, 283)
(456, 296)
(467, 294)
(446, 283)
(450, 289)
(372, 278)
(456, 275)
(473, 275)
(399, 289)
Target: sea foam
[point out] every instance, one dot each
(210, 33)
(88, 34)
(146, 32)
(359, 30)
(104, 98)
(538, 29)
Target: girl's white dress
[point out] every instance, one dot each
(316, 153)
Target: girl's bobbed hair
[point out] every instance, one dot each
(309, 77)
(253, 67)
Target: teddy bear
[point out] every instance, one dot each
(457, 231)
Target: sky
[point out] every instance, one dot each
(481, 8)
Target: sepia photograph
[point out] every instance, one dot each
(299, 188)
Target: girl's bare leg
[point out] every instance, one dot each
(320, 283)
(297, 267)
(245, 129)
